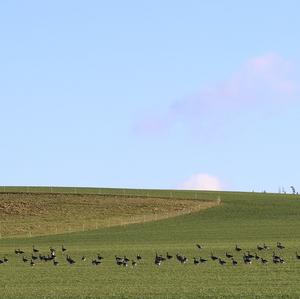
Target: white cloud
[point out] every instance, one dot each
(259, 84)
(202, 181)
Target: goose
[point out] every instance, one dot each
(228, 255)
(199, 246)
(96, 262)
(213, 257)
(70, 260)
(34, 249)
(5, 260)
(157, 262)
(247, 260)
(280, 246)
(277, 257)
(196, 262)
(138, 257)
(19, 251)
(221, 262)
(52, 252)
(202, 260)
(266, 247)
(24, 259)
(49, 258)
(264, 261)
(63, 249)
(237, 248)
(297, 256)
(33, 257)
(249, 255)
(234, 262)
(125, 263)
(256, 256)
(169, 256)
(260, 247)
(1, 262)
(83, 258)
(55, 263)
(160, 257)
(133, 263)
(181, 258)
(119, 261)
(32, 263)
(100, 257)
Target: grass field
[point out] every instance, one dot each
(41, 213)
(246, 219)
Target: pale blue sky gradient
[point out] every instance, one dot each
(133, 93)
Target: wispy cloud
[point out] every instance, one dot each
(202, 181)
(261, 82)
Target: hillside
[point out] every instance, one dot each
(36, 211)
(243, 219)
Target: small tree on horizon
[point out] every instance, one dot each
(293, 189)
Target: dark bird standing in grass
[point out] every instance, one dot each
(34, 249)
(202, 260)
(100, 257)
(264, 261)
(234, 262)
(221, 262)
(169, 256)
(260, 247)
(199, 246)
(213, 257)
(33, 257)
(70, 260)
(228, 255)
(133, 263)
(55, 263)
(157, 262)
(280, 246)
(19, 251)
(237, 248)
(96, 262)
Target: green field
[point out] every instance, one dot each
(246, 219)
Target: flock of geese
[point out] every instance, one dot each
(228, 258)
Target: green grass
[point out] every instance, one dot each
(243, 218)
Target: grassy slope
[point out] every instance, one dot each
(32, 214)
(243, 218)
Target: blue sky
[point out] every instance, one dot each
(150, 94)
